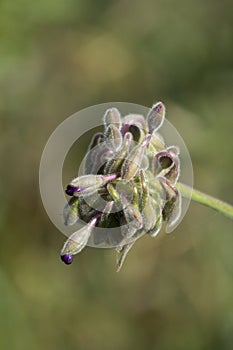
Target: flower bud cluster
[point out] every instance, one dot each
(134, 173)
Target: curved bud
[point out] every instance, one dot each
(112, 116)
(113, 137)
(155, 117)
(88, 184)
(166, 164)
(132, 163)
(70, 212)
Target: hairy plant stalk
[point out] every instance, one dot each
(205, 199)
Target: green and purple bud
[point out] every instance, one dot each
(112, 116)
(155, 117)
(88, 184)
(132, 163)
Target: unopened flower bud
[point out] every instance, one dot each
(155, 117)
(112, 116)
(88, 184)
(132, 163)
(113, 137)
(78, 240)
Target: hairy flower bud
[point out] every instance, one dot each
(132, 163)
(88, 184)
(78, 240)
(113, 137)
(112, 116)
(156, 117)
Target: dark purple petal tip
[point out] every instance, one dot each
(67, 258)
(70, 190)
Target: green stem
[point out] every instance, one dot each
(205, 199)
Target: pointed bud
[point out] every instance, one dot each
(112, 116)
(70, 212)
(113, 137)
(78, 240)
(88, 184)
(155, 117)
(132, 163)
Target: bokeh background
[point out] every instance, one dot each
(57, 57)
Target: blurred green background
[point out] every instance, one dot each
(57, 57)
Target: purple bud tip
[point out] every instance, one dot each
(67, 258)
(70, 190)
(158, 107)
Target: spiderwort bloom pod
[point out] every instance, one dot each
(155, 117)
(132, 163)
(77, 241)
(112, 116)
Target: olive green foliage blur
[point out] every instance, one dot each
(57, 57)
